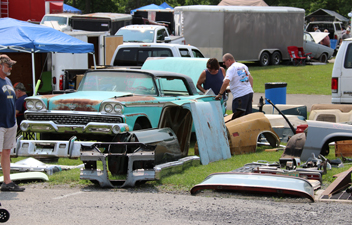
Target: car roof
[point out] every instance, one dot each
(151, 45)
(139, 26)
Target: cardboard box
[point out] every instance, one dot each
(344, 147)
(78, 80)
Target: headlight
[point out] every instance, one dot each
(30, 105)
(108, 108)
(118, 108)
(39, 105)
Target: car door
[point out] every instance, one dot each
(310, 46)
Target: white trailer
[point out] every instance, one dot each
(249, 33)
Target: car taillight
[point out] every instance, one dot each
(334, 85)
(54, 80)
(61, 82)
(301, 128)
(184, 42)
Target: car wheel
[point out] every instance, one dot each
(323, 58)
(275, 58)
(264, 59)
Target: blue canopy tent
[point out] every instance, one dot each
(153, 6)
(166, 6)
(20, 36)
(70, 9)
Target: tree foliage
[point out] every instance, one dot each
(342, 7)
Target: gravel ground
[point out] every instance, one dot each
(44, 204)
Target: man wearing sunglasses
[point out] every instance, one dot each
(8, 125)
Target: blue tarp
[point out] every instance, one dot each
(23, 36)
(153, 6)
(71, 9)
(20, 36)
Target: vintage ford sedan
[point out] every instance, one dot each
(109, 102)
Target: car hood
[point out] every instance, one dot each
(82, 100)
(318, 36)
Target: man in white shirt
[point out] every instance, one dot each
(241, 85)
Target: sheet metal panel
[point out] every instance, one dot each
(210, 130)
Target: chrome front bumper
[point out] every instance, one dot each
(90, 128)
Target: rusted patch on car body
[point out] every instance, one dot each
(76, 104)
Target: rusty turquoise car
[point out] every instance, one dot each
(109, 102)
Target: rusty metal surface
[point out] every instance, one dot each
(135, 99)
(210, 131)
(243, 132)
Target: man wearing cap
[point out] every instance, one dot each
(20, 91)
(8, 126)
(316, 29)
(346, 35)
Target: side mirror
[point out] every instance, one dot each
(167, 39)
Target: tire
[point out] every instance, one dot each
(323, 58)
(264, 59)
(275, 58)
(4, 215)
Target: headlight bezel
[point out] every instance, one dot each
(35, 105)
(116, 108)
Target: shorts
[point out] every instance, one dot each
(8, 137)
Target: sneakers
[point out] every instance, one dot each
(11, 187)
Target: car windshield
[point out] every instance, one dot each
(145, 36)
(60, 20)
(132, 82)
(308, 37)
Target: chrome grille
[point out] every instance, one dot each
(75, 119)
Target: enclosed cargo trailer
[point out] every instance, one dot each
(249, 33)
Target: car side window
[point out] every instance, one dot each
(143, 55)
(197, 54)
(126, 57)
(162, 52)
(307, 37)
(348, 58)
(184, 52)
(160, 35)
(173, 87)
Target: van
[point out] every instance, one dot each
(341, 82)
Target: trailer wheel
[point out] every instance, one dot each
(323, 58)
(264, 59)
(275, 58)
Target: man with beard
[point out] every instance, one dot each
(8, 125)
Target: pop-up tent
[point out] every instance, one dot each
(153, 6)
(20, 36)
(70, 9)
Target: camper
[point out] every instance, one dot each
(249, 33)
(107, 22)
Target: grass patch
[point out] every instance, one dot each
(311, 80)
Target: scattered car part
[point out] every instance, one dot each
(258, 183)
(40, 176)
(294, 146)
(340, 183)
(320, 134)
(344, 159)
(335, 113)
(33, 165)
(244, 132)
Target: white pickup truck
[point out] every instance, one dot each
(135, 54)
(148, 34)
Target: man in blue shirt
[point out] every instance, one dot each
(8, 126)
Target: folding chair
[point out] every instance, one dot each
(301, 53)
(296, 59)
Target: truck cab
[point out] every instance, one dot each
(58, 21)
(135, 54)
(148, 34)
